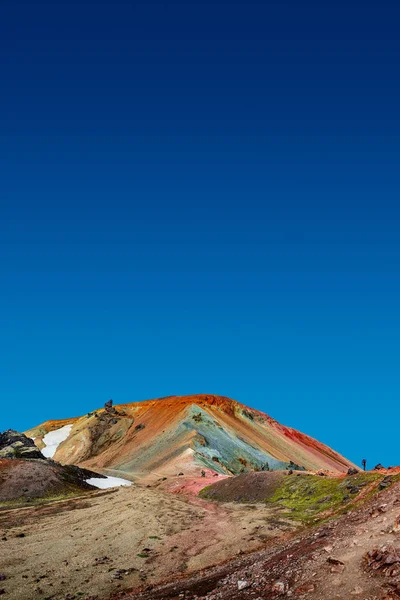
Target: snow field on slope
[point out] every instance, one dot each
(53, 439)
(110, 482)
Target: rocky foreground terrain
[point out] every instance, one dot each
(311, 536)
(356, 555)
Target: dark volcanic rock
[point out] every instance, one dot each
(291, 466)
(17, 445)
(78, 474)
(386, 482)
(108, 407)
(352, 471)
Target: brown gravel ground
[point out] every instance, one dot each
(115, 540)
(325, 563)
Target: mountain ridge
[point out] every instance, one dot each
(194, 432)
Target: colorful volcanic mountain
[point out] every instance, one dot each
(181, 434)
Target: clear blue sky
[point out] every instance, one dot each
(203, 199)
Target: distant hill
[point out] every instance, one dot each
(182, 434)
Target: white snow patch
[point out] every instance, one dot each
(110, 482)
(54, 439)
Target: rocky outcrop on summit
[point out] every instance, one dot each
(17, 445)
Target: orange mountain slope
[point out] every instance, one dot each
(188, 434)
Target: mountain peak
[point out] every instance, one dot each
(188, 434)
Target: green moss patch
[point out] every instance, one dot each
(307, 496)
(302, 497)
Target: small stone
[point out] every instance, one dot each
(306, 588)
(242, 585)
(334, 561)
(352, 471)
(396, 526)
(337, 569)
(357, 591)
(280, 587)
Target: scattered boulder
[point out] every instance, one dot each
(357, 591)
(378, 467)
(248, 414)
(17, 445)
(396, 526)
(294, 467)
(352, 489)
(306, 588)
(198, 417)
(337, 569)
(337, 566)
(280, 587)
(385, 560)
(352, 471)
(334, 561)
(325, 499)
(108, 407)
(242, 585)
(386, 482)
